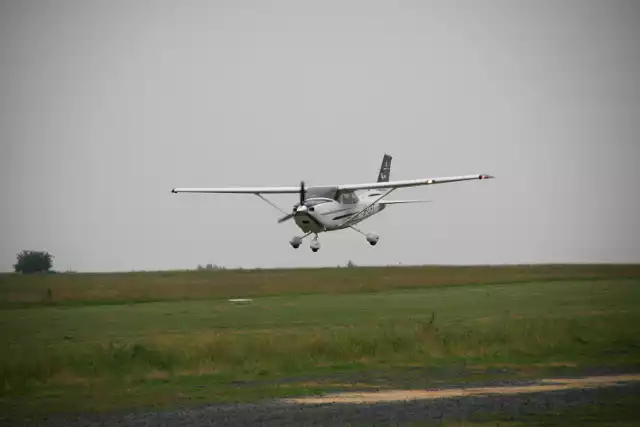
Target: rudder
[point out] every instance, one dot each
(385, 169)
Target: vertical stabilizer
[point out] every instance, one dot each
(385, 169)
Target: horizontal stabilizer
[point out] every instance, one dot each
(397, 202)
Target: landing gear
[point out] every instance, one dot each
(372, 238)
(315, 244)
(296, 241)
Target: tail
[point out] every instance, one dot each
(385, 169)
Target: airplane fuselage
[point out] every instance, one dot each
(319, 214)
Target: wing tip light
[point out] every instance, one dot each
(486, 177)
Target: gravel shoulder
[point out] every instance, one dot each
(555, 397)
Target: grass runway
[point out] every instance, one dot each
(100, 342)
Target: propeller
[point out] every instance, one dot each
(285, 218)
(303, 196)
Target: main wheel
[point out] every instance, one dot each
(372, 238)
(295, 242)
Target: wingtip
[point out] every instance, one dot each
(173, 190)
(486, 177)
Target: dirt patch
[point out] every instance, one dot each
(516, 366)
(550, 384)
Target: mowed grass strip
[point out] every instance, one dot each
(115, 288)
(96, 350)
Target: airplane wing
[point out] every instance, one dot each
(372, 185)
(412, 182)
(240, 190)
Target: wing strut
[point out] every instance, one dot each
(271, 203)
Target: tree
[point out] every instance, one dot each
(33, 262)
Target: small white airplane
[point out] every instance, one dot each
(323, 208)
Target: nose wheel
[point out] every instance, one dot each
(315, 244)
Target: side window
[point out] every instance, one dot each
(348, 198)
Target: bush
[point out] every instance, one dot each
(33, 262)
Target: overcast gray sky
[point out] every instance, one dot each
(107, 105)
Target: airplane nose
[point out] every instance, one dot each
(302, 208)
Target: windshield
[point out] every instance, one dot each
(316, 201)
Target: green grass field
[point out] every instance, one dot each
(85, 342)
